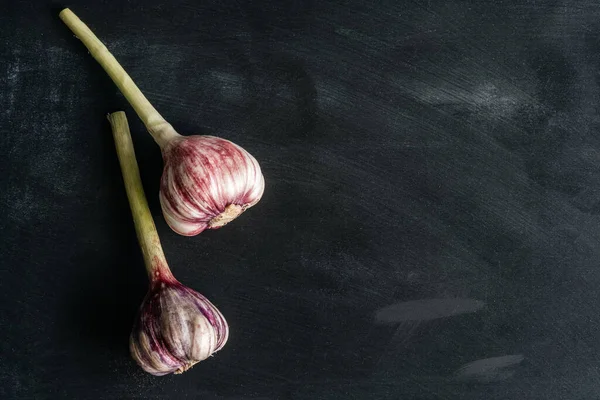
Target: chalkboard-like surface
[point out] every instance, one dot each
(430, 227)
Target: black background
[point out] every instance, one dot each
(429, 228)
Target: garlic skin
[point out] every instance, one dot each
(207, 182)
(176, 327)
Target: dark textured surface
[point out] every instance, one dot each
(430, 226)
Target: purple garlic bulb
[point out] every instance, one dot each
(176, 327)
(207, 182)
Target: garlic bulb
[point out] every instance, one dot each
(176, 327)
(207, 181)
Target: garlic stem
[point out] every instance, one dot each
(154, 258)
(158, 127)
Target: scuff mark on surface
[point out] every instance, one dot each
(489, 369)
(427, 309)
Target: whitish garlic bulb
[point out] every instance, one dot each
(207, 182)
(176, 327)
